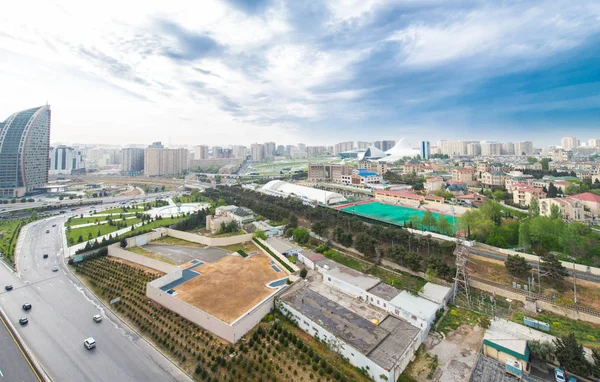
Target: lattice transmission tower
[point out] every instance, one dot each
(462, 294)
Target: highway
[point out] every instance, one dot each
(61, 318)
(14, 365)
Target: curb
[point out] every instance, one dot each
(127, 324)
(33, 362)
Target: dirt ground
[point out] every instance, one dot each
(457, 354)
(229, 287)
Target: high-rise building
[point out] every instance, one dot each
(280, 149)
(474, 149)
(315, 150)
(524, 147)
(343, 146)
(508, 148)
(301, 147)
(363, 145)
(24, 151)
(156, 145)
(425, 149)
(377, 144)
(454, 147)
(201, 152)
(132, 160)
(593, 142)
(160, 161)
(569, 143)
(64, 159)
(257, 151)
(240, 151)
(387, 145)
(491, 148)
(270, 149)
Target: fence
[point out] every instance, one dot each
(115, 251)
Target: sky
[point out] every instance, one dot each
(318, 72)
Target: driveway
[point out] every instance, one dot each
(182, 254)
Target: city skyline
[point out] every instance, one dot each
(231, 73)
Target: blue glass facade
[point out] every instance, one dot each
(24, 151)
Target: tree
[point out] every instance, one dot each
(346, 240)
(545, 351)
(552, 191)
(534, 208)
(532, 160)
(303, 273)
(319, 228)
(524, 237)
(553, 268)
(61, 197)
(443, 225)
(428, 220)
(413, 261)
(415, 222)
(517, 265)
(555, 212)
(571, 355)
(544, 163)
(572, 188)
(365, 244)
(596, 366)
(260, 234)
(300, 235)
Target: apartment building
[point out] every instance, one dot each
(328, 172)
(569, 143)
(200, 152)
(342, 147)
(493, 178)
(523, 194)
(160, 161)
(570, 208)
(463, 175)
(434, 183)
(132, 160)
(491, 148)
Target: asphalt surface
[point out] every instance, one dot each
(182, 254)
(14, 365)
(61, 319)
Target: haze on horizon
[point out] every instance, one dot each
(238, 72)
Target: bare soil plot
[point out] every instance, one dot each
(230, 287)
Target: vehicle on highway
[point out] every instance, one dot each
(8, 287)
(62, 212)
(47, 231)
(559, 375)
(26, 306)
(89, 343)
(23, 321)
(97, 318)
(53, 225)
(45, 256)
(55, 268)
(572, 379)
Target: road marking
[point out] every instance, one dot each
(1, 374)
(38, 288)
(62, 281)
(19, 346)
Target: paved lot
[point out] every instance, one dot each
(490, 370)
(181, 254)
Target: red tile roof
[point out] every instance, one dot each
(587, 197)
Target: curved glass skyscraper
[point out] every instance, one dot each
(24, 151)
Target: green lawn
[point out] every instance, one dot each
(348, 261)
(99, 219)
(85, 231)
(456, 317)
(120, 210)
(157, 223)
(151, 255)
(8, 238)
(246, 247)
(401, 280)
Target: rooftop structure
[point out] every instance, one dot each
(306, 194)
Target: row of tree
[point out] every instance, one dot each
(570, 355)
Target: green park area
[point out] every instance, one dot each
(9, 232)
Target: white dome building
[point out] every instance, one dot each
(400, 150)
(306, 194)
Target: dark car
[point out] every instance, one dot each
(23, 320)
(8, 287)
(26, 306)
(45, 256)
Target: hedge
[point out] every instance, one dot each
(242, 253)
(274, 255)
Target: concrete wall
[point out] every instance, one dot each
(279, 254)
(342, 285)
(145, 238)
(197, 316)
(210, 241)
(115, 251)
(438, 236)
(245, 323)
(309, 263)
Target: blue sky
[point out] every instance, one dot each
(236, 72)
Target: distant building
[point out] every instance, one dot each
(200, 152)
(570, 208)
(363, 145)
(474, 149)
(434, 183)
(493, 178)
(257, 151)
(308, 195)
(491, 148)
(160, 161)
(343, 147)
(524, 147)
(425, 149)
(24, 152)
(524, 194)
(463, 175)
(64, 159)
(132, 160)
(508, 148)
(589, 200)
(329, 172)
(387, 145)
(270, 148)
(569, 143)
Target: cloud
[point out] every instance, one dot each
(311, 70)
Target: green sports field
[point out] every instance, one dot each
(389, 213)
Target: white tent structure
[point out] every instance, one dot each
(307, 194)
(400, 150)
(371, 153)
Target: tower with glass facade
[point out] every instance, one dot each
(24, 152)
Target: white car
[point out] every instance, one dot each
(89, 343)
(55, 268)
(97, 318)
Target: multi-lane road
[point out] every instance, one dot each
(61, 319)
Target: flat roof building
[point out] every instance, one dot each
(306, 194)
